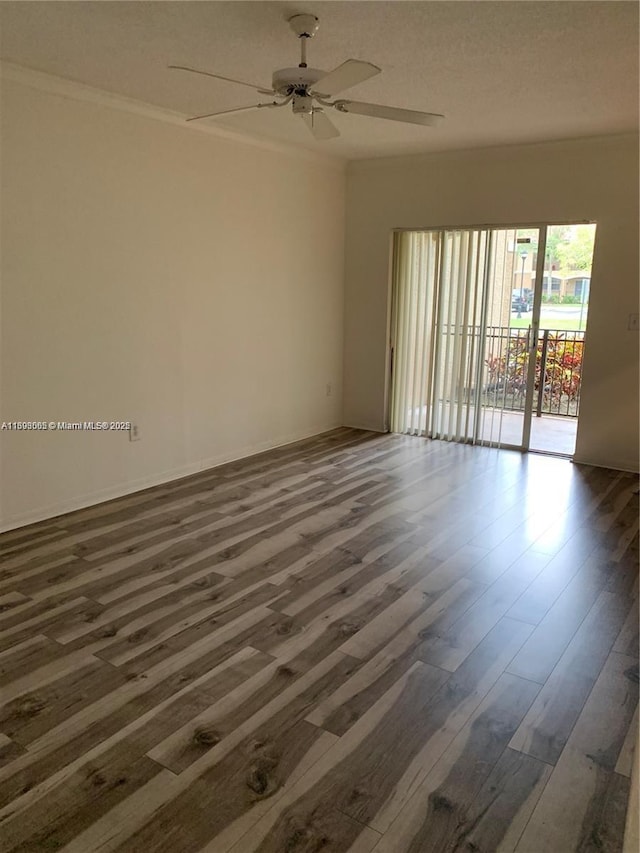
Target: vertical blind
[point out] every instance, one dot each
(442, 306)
(416, 263)
(459, 346)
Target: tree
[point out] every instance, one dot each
(576, 253)
(557, 235)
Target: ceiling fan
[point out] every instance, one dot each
(309, 90)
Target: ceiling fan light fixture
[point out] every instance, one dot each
(302, 105)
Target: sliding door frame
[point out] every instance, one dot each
(533, 338)
(535, 325)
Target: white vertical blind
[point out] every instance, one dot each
(440, 314)
(416, 261)
(460, 334)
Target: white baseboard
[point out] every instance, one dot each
(51, 511)
(121, 490)
(614, 465)
(367, 427)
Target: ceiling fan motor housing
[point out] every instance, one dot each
(296, 80)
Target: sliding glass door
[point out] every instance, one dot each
(511, 336)
(466, 306)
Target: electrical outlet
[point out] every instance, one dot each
(633, 323)
(328, 389)
(134, 432)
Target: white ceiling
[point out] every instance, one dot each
(501, 72)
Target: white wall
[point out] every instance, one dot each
(188, 282)
(557, 182)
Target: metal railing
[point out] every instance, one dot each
(558, 370)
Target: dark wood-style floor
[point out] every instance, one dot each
(354, 643)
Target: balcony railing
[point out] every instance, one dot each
(558, 370)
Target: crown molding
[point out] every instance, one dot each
(485, 152)
(80, 92)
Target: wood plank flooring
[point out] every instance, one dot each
(353, 643)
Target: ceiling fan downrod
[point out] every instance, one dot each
(305, 27)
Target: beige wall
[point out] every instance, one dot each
(555, 182)
(188, 282)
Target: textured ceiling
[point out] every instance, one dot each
(501, 72)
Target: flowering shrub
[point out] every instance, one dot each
(558, 379)
(562, 374)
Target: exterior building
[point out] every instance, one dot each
(569, 283)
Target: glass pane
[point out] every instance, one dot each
(509, 318)
(566, 284)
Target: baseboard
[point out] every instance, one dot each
(122, 490)
(613, 466)
(366, 427)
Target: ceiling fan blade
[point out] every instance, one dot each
(344, 76)
(235, 110)
(320, 125)
(260, 89)
(392, 113)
